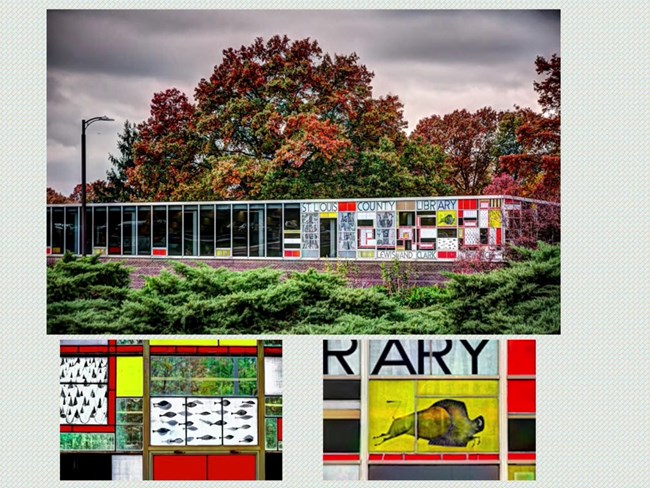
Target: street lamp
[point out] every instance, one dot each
(84, 125)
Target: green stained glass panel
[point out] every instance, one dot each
(273, 406)
(129, 437)
(71, 441)
(271, 428)
(247, 376)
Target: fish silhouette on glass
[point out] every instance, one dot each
(218, 422)
(206, 437)
(205, 413)
(245, 426)
(193, 404)
(444, 423)
(171, 422)
(168, 414)
(192, 428)
(229, 437)
(246, 406)
(164, 405)
(248, 439)
(245, 417)
(250, 402)
(189, 424)
(239, 412)
(162, 431)
(178, 440)
(223, 402)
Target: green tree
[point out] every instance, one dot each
(117, 176)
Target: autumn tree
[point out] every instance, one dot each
(537, 166)
(280, 119)
(96, 192)
(116, 176)
(54, 196)
(468, 140)
(167, 154)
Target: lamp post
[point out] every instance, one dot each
(84, 126)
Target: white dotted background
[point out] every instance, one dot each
(592, 380)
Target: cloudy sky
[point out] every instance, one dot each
(112, 62)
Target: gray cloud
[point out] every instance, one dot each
(112, 62)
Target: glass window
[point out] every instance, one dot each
(274, 230)
(72, 230)
(521, 435)
(256, 230)
(49, 224)
(341, 436)
(191, 230)
(144, 230)
(240, 234)
(406, 219)
(89, 230)
(114, 230)
(175, 230)
(128, 420)
(128, 230)
(224, 226)
(292, 216)
(100, 226)
(57, 230)
(207, 230)
(207, 376)
(160, 226)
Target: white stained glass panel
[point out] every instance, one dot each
(482, 218)
(84, 342)
(334, 366)
(472, 236)
(127, 468)
(205, 421)
(84, 370)
(340, 472)
(167, 421)
(459, 359)
(273, 376)
(83, 404)
(240, 421)
(456, 357)
(428, 233)
(394, 353)
(447, 244)
(492, 237)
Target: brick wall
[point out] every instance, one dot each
(364, 273)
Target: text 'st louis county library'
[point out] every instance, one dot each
(436, 228)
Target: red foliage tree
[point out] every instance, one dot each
(284, 120)
(54, 196)
(96, 192)
(468, 140)
(537, 168)
(166, 154)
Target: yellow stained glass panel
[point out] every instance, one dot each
(458, 388)
(494, 219)
(469, 406)
(129, 377)
(181, 342)
(446, 218)
(388, 400)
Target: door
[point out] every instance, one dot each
(328, 238)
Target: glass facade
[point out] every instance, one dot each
(434, 229)
(429, 409)
(170, 409)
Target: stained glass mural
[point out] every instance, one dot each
(127, 406)
(433, 409)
